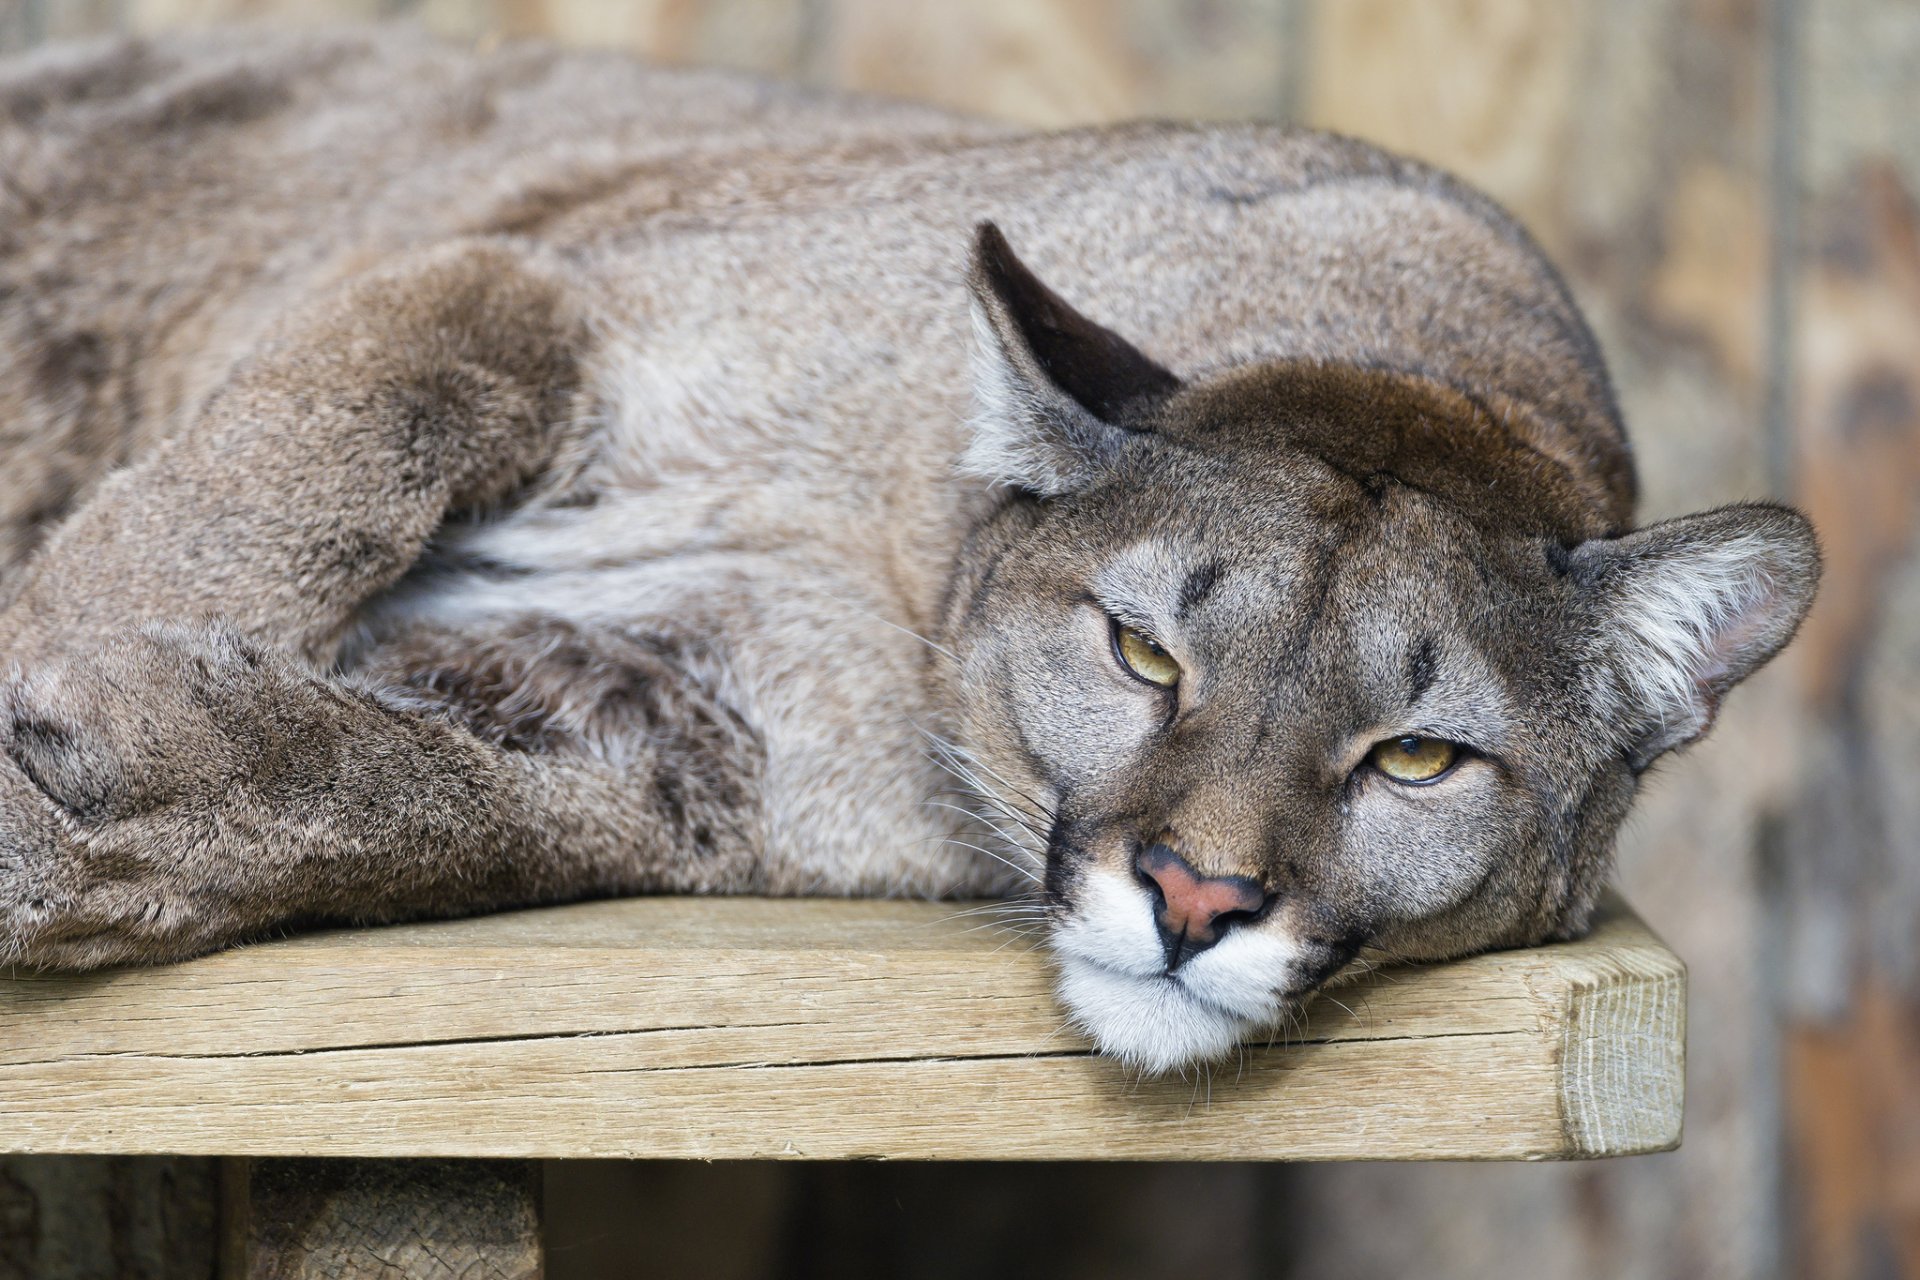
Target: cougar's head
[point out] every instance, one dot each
(1297, 660)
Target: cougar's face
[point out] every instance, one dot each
(1301, 661)
(1267, 718)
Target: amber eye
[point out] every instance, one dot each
(1414, 760)
(1143, 658)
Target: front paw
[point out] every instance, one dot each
(115, 767)
(142, 722)
(74, 897)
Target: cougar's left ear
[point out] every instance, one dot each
(1690, 608)
(1050, 385)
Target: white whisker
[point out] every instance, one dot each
(983, 818)
(940, 649)
(1008, 863)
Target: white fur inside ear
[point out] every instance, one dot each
(1009, 445)
(1694, 621)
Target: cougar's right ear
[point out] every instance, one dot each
(1690, 607)
(1050, 385)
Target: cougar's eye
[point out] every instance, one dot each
(1143, 659)
(1414, 760)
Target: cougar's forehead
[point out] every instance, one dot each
(1314, 599)
(1307, 554)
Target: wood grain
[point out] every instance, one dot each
(752, 1028)
(1850, 849)
(349, 1219)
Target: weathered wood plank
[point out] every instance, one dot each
(746, 1028)
(347, 1219)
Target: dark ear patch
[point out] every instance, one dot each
(1051, 387)
(1102, 371)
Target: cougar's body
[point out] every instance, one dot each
(734, 509)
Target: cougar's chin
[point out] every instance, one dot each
(1151, 1023)
(1114, 982)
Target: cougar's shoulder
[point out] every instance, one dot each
(164, 200)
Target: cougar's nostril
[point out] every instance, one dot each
(1191, 909)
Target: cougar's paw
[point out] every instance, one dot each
(75, 897)
(143, 721)
(114, 768)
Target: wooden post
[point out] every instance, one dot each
(307, 1219)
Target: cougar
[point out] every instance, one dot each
(437, 480)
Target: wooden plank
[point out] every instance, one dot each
(1484, 87)
(341, 1219)
(716, 1028)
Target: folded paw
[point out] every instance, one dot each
(145, 720)
(118, 767)
(77, 897)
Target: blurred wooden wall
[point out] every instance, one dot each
(1733, 188)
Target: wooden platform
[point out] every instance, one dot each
(720, 1029)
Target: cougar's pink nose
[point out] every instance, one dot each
(1193, 910)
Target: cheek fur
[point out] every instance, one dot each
(1063, 699)
(1419, 850)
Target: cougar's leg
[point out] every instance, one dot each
(174, 789)
(314, 476)
(169, 785)
(65, 422)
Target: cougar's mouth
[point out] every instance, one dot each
(1118, 987)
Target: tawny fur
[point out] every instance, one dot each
(437, 481)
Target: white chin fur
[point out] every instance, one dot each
(1149, 1023)
(1113, 981)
